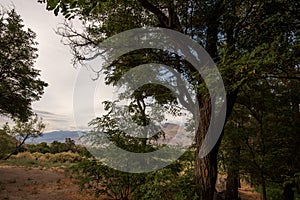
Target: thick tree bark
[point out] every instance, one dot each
(232, 183)
(206, 175)
(205, 171)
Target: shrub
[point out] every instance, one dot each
(172, 182)
(101, 179)
(65, 157)
(23, 155)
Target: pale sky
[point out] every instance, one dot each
(72, 99)
(54, 61)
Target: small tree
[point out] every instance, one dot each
(22, 131)
(7, 144)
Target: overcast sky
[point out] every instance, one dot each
(54, 61)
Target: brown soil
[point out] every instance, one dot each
(24, 183)
(28, 183)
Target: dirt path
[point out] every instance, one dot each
(23, 183)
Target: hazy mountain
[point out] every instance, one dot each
(174, 134)
(59, 136)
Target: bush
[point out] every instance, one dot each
(58, 147)
(23, 155)
(172, 182)
(168, 183)
(65, 157)
(101, 179)
(41, 148)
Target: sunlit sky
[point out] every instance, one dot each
(54, 61)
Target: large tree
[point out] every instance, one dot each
(19, 81)
(263, 137)
(246, 39)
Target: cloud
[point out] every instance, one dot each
(55, 121)
(54, 61)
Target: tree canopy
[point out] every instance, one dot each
(252, 42)
(20, 84)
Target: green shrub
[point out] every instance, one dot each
(101, 179)
(168, 183)
(172, 182)
(41, 148)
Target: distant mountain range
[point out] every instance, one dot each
(59, 136)
(174, 134)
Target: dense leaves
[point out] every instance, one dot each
(168, 183)
(19, 82)
(256, 47)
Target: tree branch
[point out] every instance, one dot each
(162, 18)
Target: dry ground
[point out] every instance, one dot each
(32, 183)
(24, 183)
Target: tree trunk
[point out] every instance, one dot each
(263, 185)
(288, 193)
(206, 175)
(205, 172)
(232, 184)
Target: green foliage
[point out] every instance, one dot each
(7, 144)
(25, 130)
(41, 147)
(22, 131)
(101, 179)
(168, 183)
(274, 192)
(43, 160)
(19, 82)
(58, 147)
(256, 47)
(264, 126)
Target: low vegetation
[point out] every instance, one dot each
(7, 144)
(43, 154)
